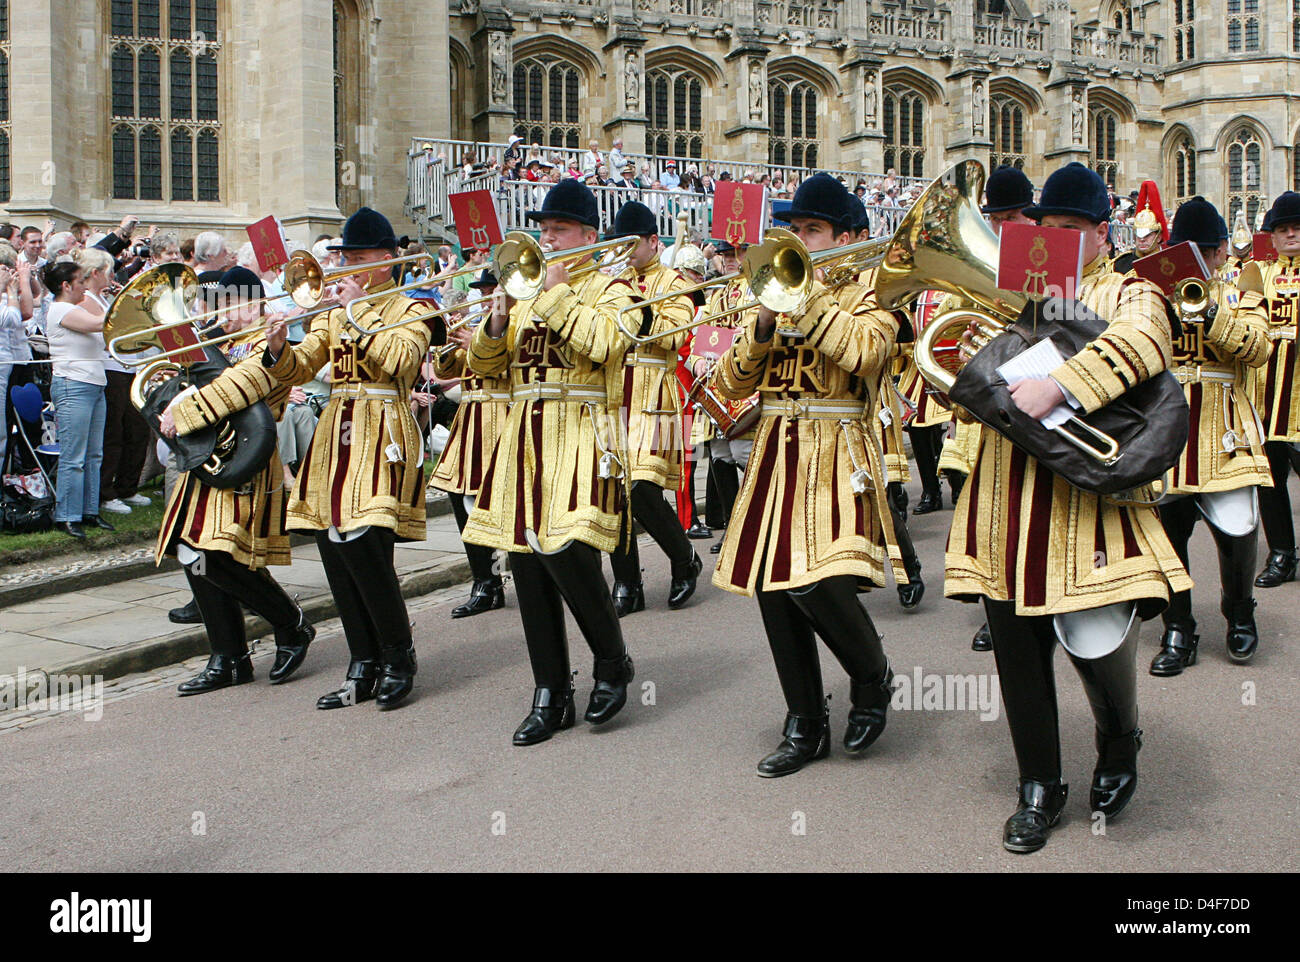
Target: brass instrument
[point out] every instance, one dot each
(780, 272)
(1194, 297)
(943, 243)
(305, 279)
(225, 455)
(520, 262)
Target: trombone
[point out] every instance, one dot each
(780, 273)
(158, 300)
(305, 279)
(521, 261)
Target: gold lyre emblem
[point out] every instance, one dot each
(478, 233)
(1036, 280)
(736, 223)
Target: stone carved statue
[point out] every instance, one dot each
(500, 55)
(977, 107)
(1076, 116)
(869, 99)
(756, 89)
(631, 81)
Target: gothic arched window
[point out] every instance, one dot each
(903, 121)
(547, 101)
(675, 106)
(792, 112)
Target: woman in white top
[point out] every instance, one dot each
(76, 339)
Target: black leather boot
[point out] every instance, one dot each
(1041, 804)
(1243, 636)
(1236, 557)
(1177, 649)
(1280, 569)
(359, 686)
(187, 614)
(683, 583)
(222, 672)
(95, 521)
(1114, 780)
(610, 692)
(910, 594)
(806, 739)
(552, 712)
(869, 713)
(628, 599)
(897, 497)
(928, 503)
(956, 481)
(983, 641)
(397, 675)
(1110, 683)
(717, 545)
(483, 596)
(291, 649)
(699, 531)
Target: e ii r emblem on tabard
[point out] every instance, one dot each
(343, 362)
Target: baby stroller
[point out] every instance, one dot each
(27, 493)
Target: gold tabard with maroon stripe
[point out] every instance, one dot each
(1277, 388)
(797, 519)
(1214, 362)
(347, 478)
(654, 427)
(544, 475)
(247, 523)
(474, 430)
(1020, 533)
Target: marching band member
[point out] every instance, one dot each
(1277, 397)
(654, 445)
(690, 262)
(1007, 194)
(361, 484)
(473, 435)
(888, 423)
(927, 429)
(224, 538)
(1224, 459)
(806, 534)
(552, 495)
(1052, 562)
(726, 456)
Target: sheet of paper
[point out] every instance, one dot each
(1034, 364)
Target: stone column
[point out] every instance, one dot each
(748, 137)
(297, 131)
(863, 144)
(43, 93)
(494, 113)
(968, 114)
(1067, 116)
(624, 54)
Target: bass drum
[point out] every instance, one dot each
(227, 454)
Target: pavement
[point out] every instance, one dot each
(118, 628)
(254, 778)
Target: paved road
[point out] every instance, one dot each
(669, 785)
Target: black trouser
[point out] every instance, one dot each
(364, 583)
(126, 440)
(1023, 646)
(724, 476)
(480, 558)
(221, 585)
(543, 585)
(926, 445)
(1236, 558)
(1275, 502)
(660, 521)
(831, 609)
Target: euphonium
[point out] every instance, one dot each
(944, 243)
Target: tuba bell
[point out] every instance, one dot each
(225, 455)
(943, 243)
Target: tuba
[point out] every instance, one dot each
(225, 455)
(943, 243)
